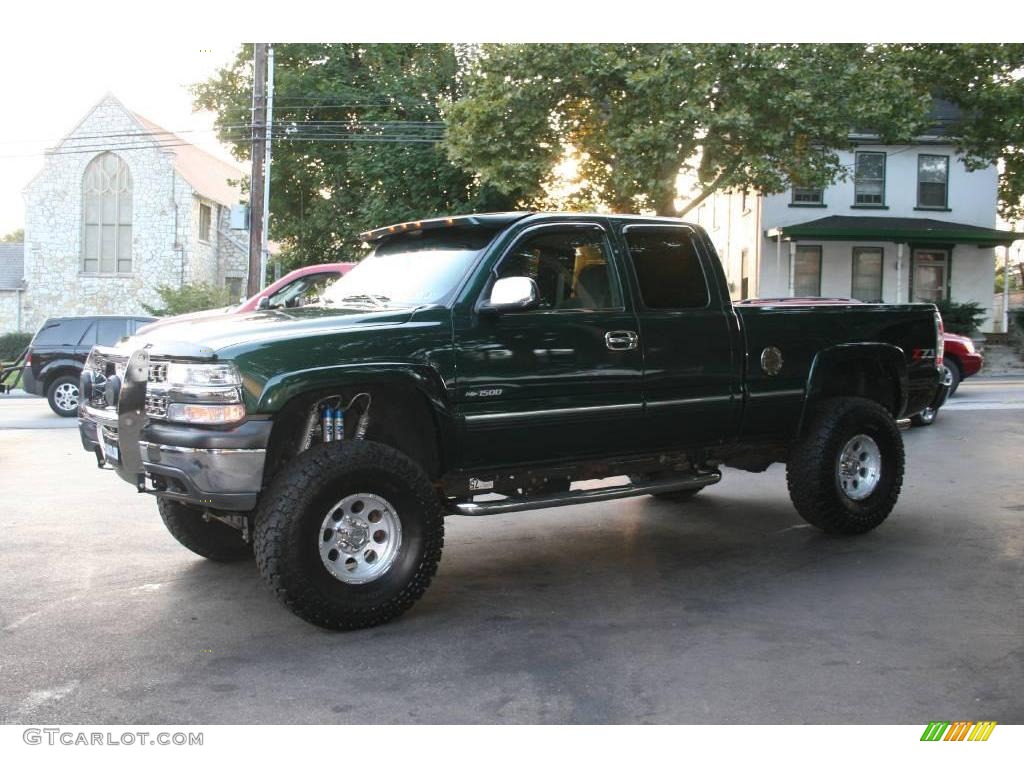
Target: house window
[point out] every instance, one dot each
(869, 179)
(107, 216)
(867, 274)
(204, 222)
(745, 201)
(932, 181)
(808, 196)
(807, 271)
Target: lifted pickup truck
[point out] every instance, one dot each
(491, 363)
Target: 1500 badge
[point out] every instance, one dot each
(484, 393)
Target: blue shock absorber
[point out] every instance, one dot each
(339, 424)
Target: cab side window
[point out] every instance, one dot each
(571, 268)
(667, 268)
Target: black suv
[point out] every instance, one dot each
(57, 355)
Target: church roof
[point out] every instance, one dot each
(206, 174)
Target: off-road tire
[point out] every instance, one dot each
(811, 470)
(290, 514)
(210, 539)
(51, 395)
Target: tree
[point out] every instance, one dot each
(14, 236)
(357, 130)
(190, 297)
(636, 116)
(986, 81)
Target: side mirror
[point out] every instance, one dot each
(263, 303)
(511, 294)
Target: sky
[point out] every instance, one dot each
(149, 75)
(59, 57)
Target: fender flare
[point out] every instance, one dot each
(61, 366)
(423, 379)
(890, 357)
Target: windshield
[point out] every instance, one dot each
(417, 268)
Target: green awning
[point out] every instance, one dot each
(895, 230)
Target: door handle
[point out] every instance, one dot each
(621, 340)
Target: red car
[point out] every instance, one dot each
(961, 359)
(293, 290)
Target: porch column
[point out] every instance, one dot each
(1006, 288)
(778, 261)
(792, 267)
(899, 273)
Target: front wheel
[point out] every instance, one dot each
(845, 474)
(202, 534)
(951, 375)
(350, 534)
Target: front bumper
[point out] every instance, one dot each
(217, 468)
(969, 364)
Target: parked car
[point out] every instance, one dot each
(298, 287)
(961, 359)
(482, 364)
(57, 353)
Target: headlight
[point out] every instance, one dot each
(969, 344)
(203, 375)
(203, 393)
(197, 413)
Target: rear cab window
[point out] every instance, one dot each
(667, 267)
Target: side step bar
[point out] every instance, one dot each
(500, 506)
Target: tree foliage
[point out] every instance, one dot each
(733, 116)
(986, 81)
(761, 116)
(324, 191)
(190, 297)
(14, 236)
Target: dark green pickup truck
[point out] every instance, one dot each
(493, 363)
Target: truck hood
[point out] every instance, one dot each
(208, 336)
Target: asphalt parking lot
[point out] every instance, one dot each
(726, 609)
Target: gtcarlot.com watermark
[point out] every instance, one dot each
(73, 738)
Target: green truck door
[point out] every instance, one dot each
(561, 381)
(692, 375)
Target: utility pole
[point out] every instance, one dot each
(256, 179)
(264, 248)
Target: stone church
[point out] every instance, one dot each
(120, 208)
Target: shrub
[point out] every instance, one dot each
(12, 344)
(190, 297)
(961, 317)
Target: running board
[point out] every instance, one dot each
(500, 506)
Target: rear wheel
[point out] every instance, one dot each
(845, 474)
(350, 534)
(62, 395)
(925, 418)
(202, 534)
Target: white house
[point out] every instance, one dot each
(120, 208)
(911, 223)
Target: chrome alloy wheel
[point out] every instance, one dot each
(360, 538)
(66, 396)
(947, 375)
(859, 467)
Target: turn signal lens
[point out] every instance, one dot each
(195, 413)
